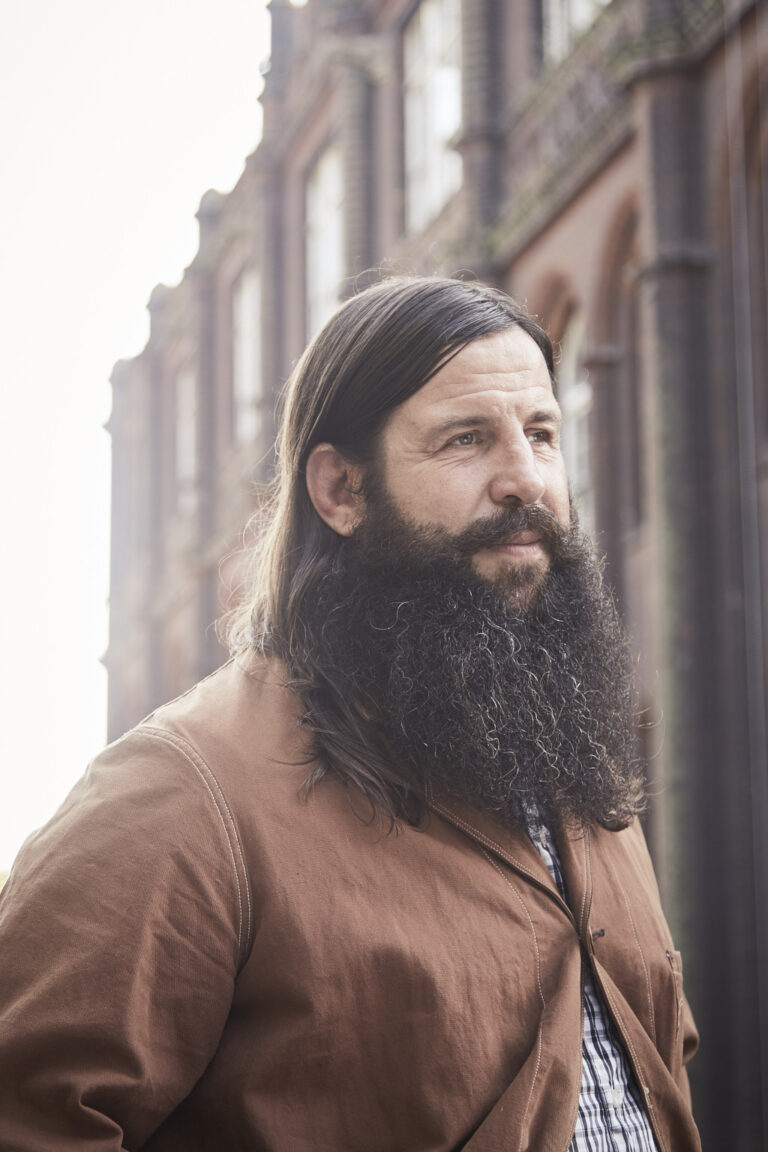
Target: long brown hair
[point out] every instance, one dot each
(376, 351)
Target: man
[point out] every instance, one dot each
(378, 884)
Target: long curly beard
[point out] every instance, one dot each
(500, 694)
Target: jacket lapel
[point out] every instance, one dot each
(512, 845)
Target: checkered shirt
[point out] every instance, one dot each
(611, 1115)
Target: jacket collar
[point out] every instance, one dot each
(514, 847)
(511, 844)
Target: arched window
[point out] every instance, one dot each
(575, 397)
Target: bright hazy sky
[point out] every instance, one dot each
(115, 118)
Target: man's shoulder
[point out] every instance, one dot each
(241, 724)
(238, 698)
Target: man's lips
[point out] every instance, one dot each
(519, 540)
(516, 533)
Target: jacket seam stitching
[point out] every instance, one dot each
(486, 840)
(540, 1029)
(513, 886)
(190, 754)
(176, 699)
(648, 993)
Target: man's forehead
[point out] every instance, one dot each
(486, 372)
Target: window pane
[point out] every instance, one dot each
(432, 108)
(324, 238)
(246, 356)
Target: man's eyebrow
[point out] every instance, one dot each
(481, 420)
(454, 423)
(546, 416)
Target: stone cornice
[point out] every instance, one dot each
(553, 184)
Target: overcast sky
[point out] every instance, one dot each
(115, 119)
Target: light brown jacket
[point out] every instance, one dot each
(195, 957)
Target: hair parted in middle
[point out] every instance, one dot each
(376, 351)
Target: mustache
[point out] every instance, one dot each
(491, 530)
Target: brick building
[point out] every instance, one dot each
(607, 163)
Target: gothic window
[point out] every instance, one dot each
(324, 215)
(432, 109)
(246, 356)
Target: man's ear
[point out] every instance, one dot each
(334, 487)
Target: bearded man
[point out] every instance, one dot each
(379, 883)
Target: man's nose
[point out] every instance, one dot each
(516, 475)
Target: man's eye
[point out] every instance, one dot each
(540, 436)
(464, 439)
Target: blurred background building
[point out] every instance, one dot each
(605, 161)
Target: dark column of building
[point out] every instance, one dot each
(388, 134)
(674, 298)
(207, 653)
(742, 817)
(356, 150)
(481, 32)
(741, 667)
(273, 360)
(159, 511)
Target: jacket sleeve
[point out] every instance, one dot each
(121, 932)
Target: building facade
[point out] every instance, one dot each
(605, 161)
